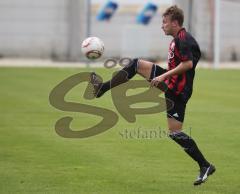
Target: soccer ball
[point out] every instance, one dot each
(93, 47)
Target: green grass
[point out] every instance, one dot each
(34, 159)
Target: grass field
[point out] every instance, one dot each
(34, 159)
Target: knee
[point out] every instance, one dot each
(135, 63)
(138, 63)
(131, 68)
(132, 63)
(144, 66)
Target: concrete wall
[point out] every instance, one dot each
(123, 37)
(55, 29)
(230, 30)
(33, 28)
(45, 29)
(202, 26)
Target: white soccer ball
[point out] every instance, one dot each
(93, 47)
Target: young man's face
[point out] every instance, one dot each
(167, 25)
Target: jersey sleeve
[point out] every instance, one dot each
(185, 50)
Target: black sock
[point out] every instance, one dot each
(121, 76)
(190, 147)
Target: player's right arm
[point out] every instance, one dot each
(181, 68)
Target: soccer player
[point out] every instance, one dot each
(183, 56)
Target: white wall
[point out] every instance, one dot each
(55, 28)
(230, 29)
(33, 28)
(123, 37)
(203, 26)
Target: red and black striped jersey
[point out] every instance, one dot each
(183, 48)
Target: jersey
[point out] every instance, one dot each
(182, 48)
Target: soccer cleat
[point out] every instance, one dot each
(96, 82)
(204, 173)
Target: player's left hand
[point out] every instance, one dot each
(155, 81)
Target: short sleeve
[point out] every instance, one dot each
(185, 51)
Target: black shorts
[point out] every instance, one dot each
(178, 105)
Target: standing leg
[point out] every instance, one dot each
(175, 123)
